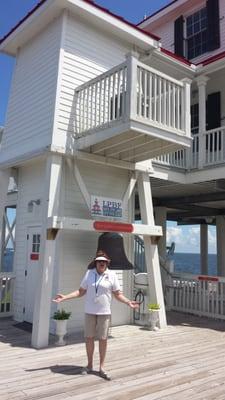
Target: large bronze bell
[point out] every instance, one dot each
(112, 244)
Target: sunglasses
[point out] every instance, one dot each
(102, 262)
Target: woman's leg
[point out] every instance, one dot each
(102, 353)
(89, 333)
(90, 346)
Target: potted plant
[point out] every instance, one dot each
(153, 309)
(61, 317)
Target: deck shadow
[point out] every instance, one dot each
(64, 370)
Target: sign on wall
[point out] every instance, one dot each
(106, 207)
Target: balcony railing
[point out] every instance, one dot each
(132, 91)
(200, 295)
(6, 293)
(207, 149)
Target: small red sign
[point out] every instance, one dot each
(208, 278)
(34, 256)
(113, 226)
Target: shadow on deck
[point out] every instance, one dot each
(184, 360)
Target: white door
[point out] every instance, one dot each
(32, 270)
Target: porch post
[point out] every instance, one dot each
(204, 248)
(151, 248)
(4, 183)
(132, 77)
(220, 233)
(160, 219)
(42, 307)
(201, 83)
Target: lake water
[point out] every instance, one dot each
(190, 263)
(184, 262)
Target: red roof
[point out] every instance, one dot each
(86, 1)
(179, 58)
(209, 60)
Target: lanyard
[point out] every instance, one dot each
(97, 283)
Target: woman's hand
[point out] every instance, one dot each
(58, 298)
(133, 304)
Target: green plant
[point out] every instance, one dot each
(61, 314)
(153, 306)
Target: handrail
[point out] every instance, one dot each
(101, 77)
(220, 128)
(159, 73)
(197, 294)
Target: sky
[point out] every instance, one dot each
(12, 11)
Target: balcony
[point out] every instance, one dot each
(207, 150)
(132, 113)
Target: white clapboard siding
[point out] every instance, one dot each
(30, 188)
(87, 53)
(32, 99)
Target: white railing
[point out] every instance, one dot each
(101, 101)
(160, 98)
(197, 294)
(6, 293)
(176, 159)
(214, 141)
(206, 150)
(134, 91)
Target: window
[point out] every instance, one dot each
(36, 243)
(8, 239)
(199, 32)
(196, 33)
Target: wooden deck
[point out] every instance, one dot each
(183, 361)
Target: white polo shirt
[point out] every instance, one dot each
(99, 291)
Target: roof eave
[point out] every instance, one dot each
(176, 61)
(50, 9)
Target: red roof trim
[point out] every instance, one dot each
(169, 53)
(212, 59)
(157, 12)
(22, 20)
(123, 20)
(105, 10)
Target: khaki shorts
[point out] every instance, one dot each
(97, 326)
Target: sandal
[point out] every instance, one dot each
(86, 371)
(104, 375)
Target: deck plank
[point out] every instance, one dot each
(183, 361)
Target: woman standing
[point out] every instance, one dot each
(99, 284)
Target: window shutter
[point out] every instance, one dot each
(179, 36)
(213, 111)
(213, 29)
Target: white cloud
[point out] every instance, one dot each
(174, 234)
(187, 238)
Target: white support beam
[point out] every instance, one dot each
(201, 83)
(160, 219)
(77, 224)
(129, 191)
(77, 175)
(51, 204)
(204, 248)
(220, 233)
(151, 249)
